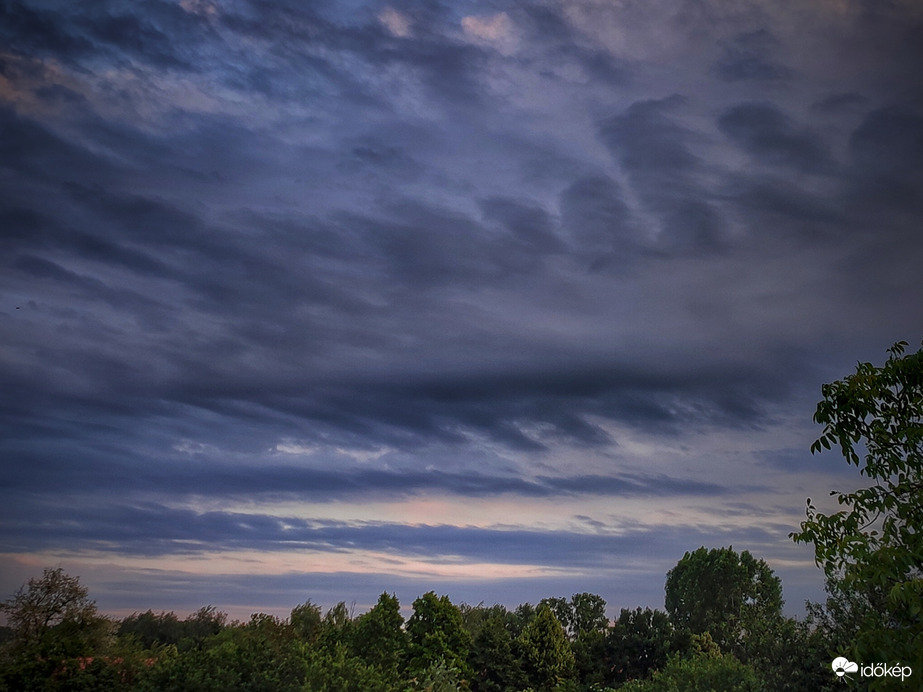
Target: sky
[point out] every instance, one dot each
(318, 300)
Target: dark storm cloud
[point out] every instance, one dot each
(302, 54)
(505, 406)
(748, 57)
(593, 211)
(554, 41)
(771, 137)
(889, 142)
(404, 412)
(145, 221)
(531, 229)
(158, 34)
(787, 208)
(390, 157)
(35, 31)
(44, 156)
(447, 68)
(655, 151)
(415, 255)
(158, 37)
(835, 103)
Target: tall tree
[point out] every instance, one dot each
(379, 638)
(583, 613)
(305, 620)
(638, 644)
(336, 627)
(735, 598)
(563, 610)
(475, 617)
(55, 601)
(545, 651)
(873, 545)
(436, 634)
(493, 659)
(55, 627)
(589, 614)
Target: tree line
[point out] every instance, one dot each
(58, 641)
(722, 627)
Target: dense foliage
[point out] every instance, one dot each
(58, 641)
(730, 596)
(872, 548)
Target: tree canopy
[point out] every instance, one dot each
(729, 595)
(874, 543)
(436, 633)
(53, 621)
(54, 600)
(546, 656)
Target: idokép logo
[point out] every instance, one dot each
(843, 667)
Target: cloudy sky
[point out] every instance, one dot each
(504, 300)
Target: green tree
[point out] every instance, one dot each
(54, 602)
(150, 629)
(584, 612)
(735, 598)
(305, 620)
(797, 657)
(335, 669)
(436, 633)
(475, 617)
(263, 655)
(56, 630)
(206, 622)
(639, 644)
(336, 628)
(588, 626)
(562, 609)
(337, 618)
(379, 638)
(520, 617)
(493, 659)
(837, 622)
(545, 651)
(589, 614)
(706, 670)
(874, 544)
(438, 677)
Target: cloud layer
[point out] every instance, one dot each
(287, 280)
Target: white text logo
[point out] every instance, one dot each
(843, 667)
